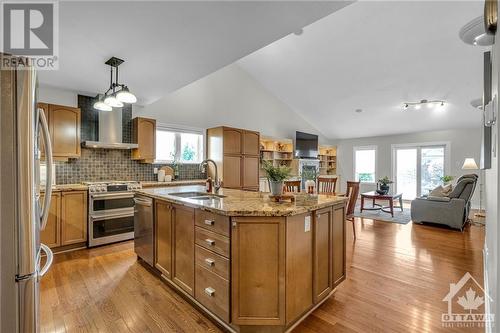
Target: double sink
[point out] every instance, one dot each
(201, 196)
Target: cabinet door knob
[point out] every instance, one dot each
(209, 222)
(210, 262)
(210, 242)
(210, 291)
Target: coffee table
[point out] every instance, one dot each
(373, 195)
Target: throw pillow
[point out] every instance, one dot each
(437, 192)
(447, 189)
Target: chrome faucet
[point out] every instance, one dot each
(217, 182)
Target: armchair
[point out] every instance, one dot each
(452, 210)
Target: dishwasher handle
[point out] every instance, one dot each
(143, 202)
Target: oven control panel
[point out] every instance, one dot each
(114, 187)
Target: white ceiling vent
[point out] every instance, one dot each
(474, 33)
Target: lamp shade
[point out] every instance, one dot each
(469, 164)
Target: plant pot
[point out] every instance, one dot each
(384, 189)
(276, 187)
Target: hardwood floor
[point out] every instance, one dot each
(396, 279)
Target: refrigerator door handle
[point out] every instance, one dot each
(48, 179)
(50, 259)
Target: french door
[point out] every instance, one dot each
(418, 169)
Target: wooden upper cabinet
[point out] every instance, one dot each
(64, 127)
(74, 217)
(183, 248)
(250, 176)
(163, 244)
(144, 134)
(231, 173)
(51, 235)
(258, 272)
(251, 143)
(322, 251)
(338, 245)
(232, 141)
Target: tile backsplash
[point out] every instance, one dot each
(113, 164)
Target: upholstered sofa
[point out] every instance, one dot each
(451, 210)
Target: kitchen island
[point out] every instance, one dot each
(251, 264)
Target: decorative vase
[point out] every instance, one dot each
(383, 189)
(276, 187)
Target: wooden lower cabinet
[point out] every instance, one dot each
(339, 245)
(51, 235)
(74, 217)
(258, 271)
(183, 248)
(213, 292)
(163, 239)
(67, 223)
(323, 254)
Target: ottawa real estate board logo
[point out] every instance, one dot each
(467, 305)
(30, 30)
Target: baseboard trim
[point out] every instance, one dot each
(487, 303)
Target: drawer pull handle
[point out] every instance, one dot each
(210, 291)
(210, 242)
(210, 262)
(209, 222)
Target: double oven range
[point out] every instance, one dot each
(111, 211)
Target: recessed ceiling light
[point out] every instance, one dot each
(358, 110)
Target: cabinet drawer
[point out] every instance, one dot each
(212, 262)
(212, 241)
(213, 222)
(213, 292)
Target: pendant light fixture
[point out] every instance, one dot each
(117, 93)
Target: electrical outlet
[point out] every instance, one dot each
(307, 223)
(155, 171)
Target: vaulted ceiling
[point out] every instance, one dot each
(167, 44)
(374, 55)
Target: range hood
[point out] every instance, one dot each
(110, 132)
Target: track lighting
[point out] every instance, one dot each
(419, 104)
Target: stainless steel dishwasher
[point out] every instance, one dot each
(143, 228)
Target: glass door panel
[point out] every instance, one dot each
(431, 168)
(406, 172)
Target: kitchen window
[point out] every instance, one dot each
(183, 145)
(365, 161)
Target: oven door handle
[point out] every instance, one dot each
(111, 216)
(112, 195)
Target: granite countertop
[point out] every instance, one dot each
(66, 187)
(173, 183)
(240, 203)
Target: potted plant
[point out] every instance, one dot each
(276, 176)
(383, 185)
(446, 179)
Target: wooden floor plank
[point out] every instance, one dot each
(397, 276)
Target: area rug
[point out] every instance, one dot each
(401, 217)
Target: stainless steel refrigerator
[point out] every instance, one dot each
(23, 259)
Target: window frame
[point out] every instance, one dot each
(361, 148)
(178, 129)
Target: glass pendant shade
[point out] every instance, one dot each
(101, 106)
(126, 96)
(113, 102)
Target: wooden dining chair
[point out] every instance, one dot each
(291, 186)
(327, 185)
(352, 193)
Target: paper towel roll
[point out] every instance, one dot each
(161, 175)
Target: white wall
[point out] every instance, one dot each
(491, 249)
(463, 143)
(52, 95)
(229, 97)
